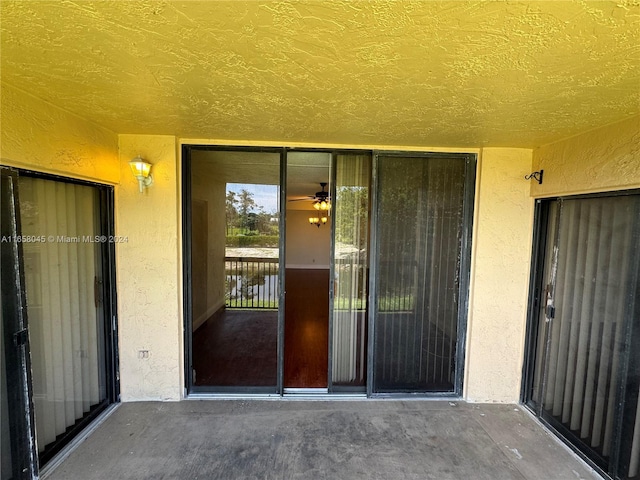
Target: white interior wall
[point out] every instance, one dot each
(308, 246)
(210, 190)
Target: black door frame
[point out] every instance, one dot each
(24, 451)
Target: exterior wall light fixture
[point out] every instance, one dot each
(142, 171)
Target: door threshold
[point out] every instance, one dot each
(306, 391)
(320, 394)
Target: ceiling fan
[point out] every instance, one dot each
(321, 200)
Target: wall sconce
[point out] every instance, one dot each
(142, 171)
(317, 221)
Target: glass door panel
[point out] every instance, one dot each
(350, 270)
(587, 335)
(65, 305)
(546, 302)
(586, 367)
(419, 256)
(234, 233)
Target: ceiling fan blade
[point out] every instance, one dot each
(305, 199)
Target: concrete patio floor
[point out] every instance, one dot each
(373, 439)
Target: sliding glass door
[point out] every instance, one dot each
(65, 304)
(232, 207)
(421, 261)
(373, 252)
(64, 241)
(584, 364)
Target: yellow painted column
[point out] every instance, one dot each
(503, 228)
(148, 272)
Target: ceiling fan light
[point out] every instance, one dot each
(321, 205)
(317, 221)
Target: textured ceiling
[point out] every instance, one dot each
(462, 73)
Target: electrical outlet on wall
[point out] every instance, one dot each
(143, 353)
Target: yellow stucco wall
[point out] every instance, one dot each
(503, 223)
(40, 136)
(607, 158)
(503, 226)
(148, 272)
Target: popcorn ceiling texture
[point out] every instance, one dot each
(36, 133)
(456, 74)
(604, 159)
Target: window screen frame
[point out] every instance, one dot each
(464, 270)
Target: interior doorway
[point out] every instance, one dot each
(327, 274)
(307, 276)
